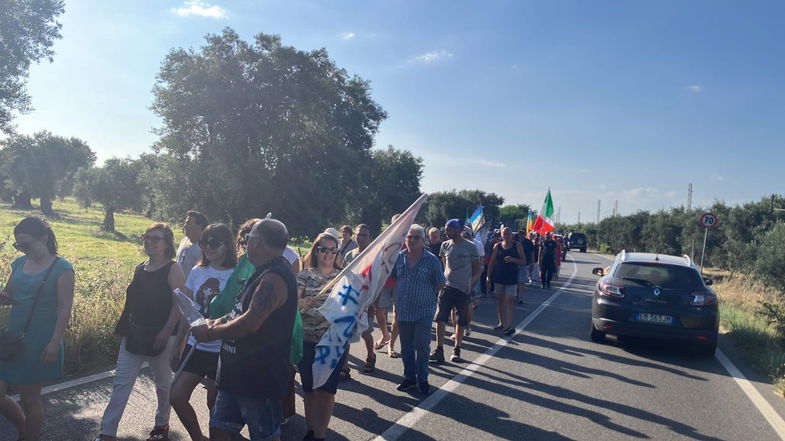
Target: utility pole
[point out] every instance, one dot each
(579, 218)
(689, 196)
(599, 201)
(616, 208)
(558, 215)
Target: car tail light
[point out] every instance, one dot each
(702, 299)
(609, 289)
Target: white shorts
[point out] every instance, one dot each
(507, 290)
(523, 273)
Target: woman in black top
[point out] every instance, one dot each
(503, 270)
(147, 325)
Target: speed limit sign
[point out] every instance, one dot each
(709, 221)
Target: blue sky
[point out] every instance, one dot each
(607, 100)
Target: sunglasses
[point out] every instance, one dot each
(151, 239)
(325, 250)
(212, 244)
(413, 237)
(22, 246)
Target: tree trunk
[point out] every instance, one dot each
(108, 220)
(22, 201)
(46, 207)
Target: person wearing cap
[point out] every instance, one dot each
(462, 268)
(474, 295)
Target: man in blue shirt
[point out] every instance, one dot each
(419, 277)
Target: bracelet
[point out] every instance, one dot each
(224, 319)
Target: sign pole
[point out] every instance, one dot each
(703, 253)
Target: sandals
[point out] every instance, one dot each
(159, 434)
(392, 353)
(380, 344)
(370, 364)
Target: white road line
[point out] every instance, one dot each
(757, 399)
(412, 417)
(72, 383)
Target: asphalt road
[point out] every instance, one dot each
(549, 382)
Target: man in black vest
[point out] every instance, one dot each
(253, 371)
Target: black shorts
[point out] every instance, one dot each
(201, 363)
(450, 297)
(305, 368)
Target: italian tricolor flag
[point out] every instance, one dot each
(544, 222)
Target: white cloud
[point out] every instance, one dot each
(493, 164)
(200, 8)
(695, 88)
(348, 35)
(718, 178)
(434, 56)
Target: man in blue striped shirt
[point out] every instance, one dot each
(419, 277)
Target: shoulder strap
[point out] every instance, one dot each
(38, 294)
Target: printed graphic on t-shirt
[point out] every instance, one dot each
(209, 289)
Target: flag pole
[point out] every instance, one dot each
(335, 280)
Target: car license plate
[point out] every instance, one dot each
(655, 318)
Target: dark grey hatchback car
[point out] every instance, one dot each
(658, 296)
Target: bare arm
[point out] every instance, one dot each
(65, 303)
(492, 262)
(269, 296)
(476, 270)
(176, 279)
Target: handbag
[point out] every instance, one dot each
(11, 343)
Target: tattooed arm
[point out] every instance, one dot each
(269, 296)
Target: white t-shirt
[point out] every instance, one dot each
(206, 283)
(188, 254)
(480, 248)
(290, 254)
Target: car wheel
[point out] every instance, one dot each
(597, 336)
(583, 250)
(707, 349)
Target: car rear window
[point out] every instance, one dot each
(665, 276)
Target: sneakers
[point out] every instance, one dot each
(406, 384)
(468, 331)
(509, 331)
(437, 356)
(424, 387)
(456, 355)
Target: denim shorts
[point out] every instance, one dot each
(262, 416)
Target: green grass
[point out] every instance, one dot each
(761, 343)
(104, 266)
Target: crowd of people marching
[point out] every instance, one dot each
(259, 301)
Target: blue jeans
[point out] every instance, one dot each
(262, 416)
(415, 346)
